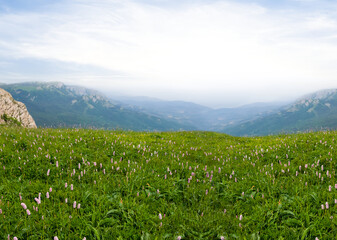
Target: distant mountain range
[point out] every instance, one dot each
(57, 105)
(317, 111)
(197, 116)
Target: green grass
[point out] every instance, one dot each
(264, 179)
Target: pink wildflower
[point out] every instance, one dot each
(24, 206)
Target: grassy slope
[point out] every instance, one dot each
(276, 183)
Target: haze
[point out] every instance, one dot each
(216, 53)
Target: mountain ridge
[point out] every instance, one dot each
(54, 104)
(311, 112)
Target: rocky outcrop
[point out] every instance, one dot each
(9, 108)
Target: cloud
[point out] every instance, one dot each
(216, 50)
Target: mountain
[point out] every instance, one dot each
(14, 112)
(197, 116)
(57, 105)
(315, 111)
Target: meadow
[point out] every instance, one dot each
(95, 184)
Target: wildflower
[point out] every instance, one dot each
(48, 172)
(78, 206)
(0, 211)
(74, 205)
(222, 238)
(38, 201)
(66, 200)
(240, 217)
(15, 238)
(47, 195)
(65, 185)
(56, 238)
(160, 216)
(50, 189)
(179, 238)
(71, 187)
(24, 206)
(28, 212)
(329, 188)
(327, 205)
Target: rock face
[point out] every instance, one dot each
(15, 109)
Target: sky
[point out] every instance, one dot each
(219, 53)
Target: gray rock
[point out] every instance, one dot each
(15, 109)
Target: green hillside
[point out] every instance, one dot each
(314, 112)
(57, 105)
(95, 184)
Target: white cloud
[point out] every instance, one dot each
(220, 51)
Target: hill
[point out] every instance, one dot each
(94, 184)
(58, 105)
(313, 112)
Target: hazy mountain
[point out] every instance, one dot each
(312, 112)
(58, 105)
(197, 116)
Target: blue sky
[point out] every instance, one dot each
(217, 53)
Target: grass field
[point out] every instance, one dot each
(92, 184)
